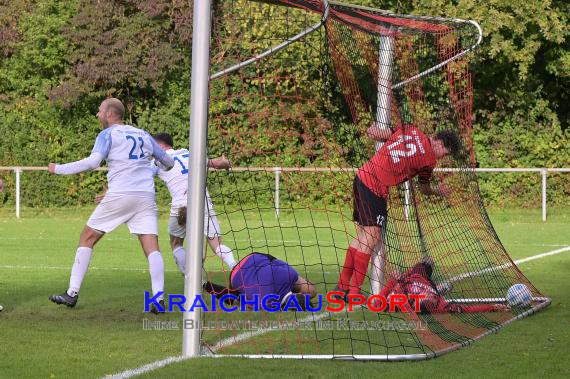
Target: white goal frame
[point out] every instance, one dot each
(191, 345)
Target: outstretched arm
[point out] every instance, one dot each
(427, 188)
(378, 133)
(303, 286)
(220, 163)
(163, 160)
(99, 152)
(90, 163)
(480, 308)
(219, 291)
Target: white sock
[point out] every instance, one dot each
(180, 258)
(79, 269)
(226, 254)
(156, 269)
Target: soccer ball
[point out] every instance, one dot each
(519, 296)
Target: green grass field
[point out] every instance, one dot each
(103, 335)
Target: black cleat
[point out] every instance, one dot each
(64, 298)
(339, 297)
(154, 309)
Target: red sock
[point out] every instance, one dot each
(361, 261)
(347, 269)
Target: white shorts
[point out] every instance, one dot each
(211, 224)
(140, 213)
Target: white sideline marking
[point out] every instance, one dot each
(146, 368)
(245, 336)
(466, 275)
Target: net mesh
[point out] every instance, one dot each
(306, 109)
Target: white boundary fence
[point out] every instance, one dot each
(278, 170)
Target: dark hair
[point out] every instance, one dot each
(452, 142)
(164, 138)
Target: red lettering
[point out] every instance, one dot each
(417, 303)
(373, 302)
(398, 300)
(332, 300)
(355, 299)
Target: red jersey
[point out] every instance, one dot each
(405, 154)
(415, 282)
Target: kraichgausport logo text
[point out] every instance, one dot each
(271, 303)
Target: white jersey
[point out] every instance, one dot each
(176, 179)
(128, 151)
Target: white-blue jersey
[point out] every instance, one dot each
(128, 151)
(176, 179)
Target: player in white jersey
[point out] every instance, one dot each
(130, 198)
(177, 182)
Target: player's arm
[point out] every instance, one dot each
(303, 286)
(90, 163)
(1, 185)
(98, 154)
(378, 133)
(426, 186)
(219, 291)
(162, 159)
(480, 308)
(390, 285)
(220, 163)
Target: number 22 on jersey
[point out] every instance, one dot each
(132, 154)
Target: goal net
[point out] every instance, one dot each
(295, 87)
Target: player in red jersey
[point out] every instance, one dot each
(417, 281)
(406, 153)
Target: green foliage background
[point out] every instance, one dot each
(59, 58)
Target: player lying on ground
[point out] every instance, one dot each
(262, 274)
(407, 153)
(130, 198)
(176, 181)
(418, 281)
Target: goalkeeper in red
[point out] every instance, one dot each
(406, 153)
(417, 281)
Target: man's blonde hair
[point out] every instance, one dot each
(115, 106)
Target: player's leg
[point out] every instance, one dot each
(378, 266)
(149, 243)
(177, 233)
(370, 213)
(144, 223)
(213, 231)
(111, 212)
(348, 266)
(362, 247)
(87, 240)
(178, 252)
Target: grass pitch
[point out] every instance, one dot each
(103, 335)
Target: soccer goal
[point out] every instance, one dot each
(297, 84)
